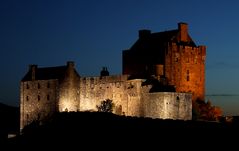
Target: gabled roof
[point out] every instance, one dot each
(46, 73)
(159, 40)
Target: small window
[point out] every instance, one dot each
(27, 98)
(38, 86)
(188, 60)
(38, 97)
(177, 98)
(27, 86)
(188, 75)
(48, 97)
(117, 84)
(48, 84)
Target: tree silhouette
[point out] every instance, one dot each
(206, 111)
(105, 106)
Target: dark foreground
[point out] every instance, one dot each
(90, 129)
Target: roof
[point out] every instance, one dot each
(47, 73)
(158, 40)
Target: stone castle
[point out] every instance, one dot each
(163, 73)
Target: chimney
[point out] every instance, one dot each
(104, 72)
(70, 64)
(144, 33)
(183, 31)
(32, 69)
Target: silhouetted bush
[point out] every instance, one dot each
(206, 111)
(105, 106)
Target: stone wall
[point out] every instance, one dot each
(185, 68)
(167, 105)
(69, 92)
(93, 90)
(41, 98)
(133, 99)
(38, 100)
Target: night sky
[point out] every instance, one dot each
(93, 33)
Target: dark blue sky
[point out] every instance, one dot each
(93, 33)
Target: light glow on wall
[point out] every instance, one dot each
(67, 106)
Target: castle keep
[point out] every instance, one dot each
(162, 74)
(171, 56)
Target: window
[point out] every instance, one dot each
(188, 75)
(38, 85)
(38, 97)
(27, 86)
(92, 86)
(27, 98)
(48, 97)
(48, 84)
(196, 60)
(188, 60)
(117, 84)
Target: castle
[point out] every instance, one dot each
(163, 73)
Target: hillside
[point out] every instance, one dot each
(9, 117)
(99, 128)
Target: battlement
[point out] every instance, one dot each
(105, 79)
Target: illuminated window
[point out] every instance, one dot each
(38, 86)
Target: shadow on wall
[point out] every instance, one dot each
(159, 85)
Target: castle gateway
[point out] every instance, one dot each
(163, 73)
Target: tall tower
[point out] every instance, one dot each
(170, 54)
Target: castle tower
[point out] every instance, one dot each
(44, 91)
(170, 54)
(69, 89)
